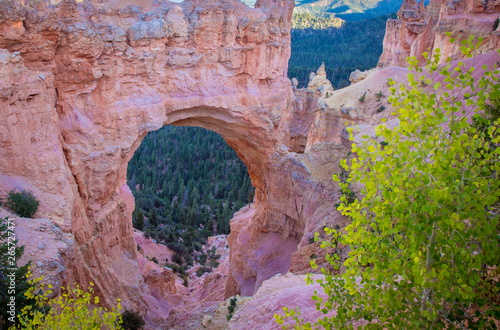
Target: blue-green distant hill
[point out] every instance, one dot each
(349, 10)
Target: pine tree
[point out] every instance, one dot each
(153, 218)
(138, 219)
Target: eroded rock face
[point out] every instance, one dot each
(421, 28)
(81, 85)
(358, 75)
(280, 291)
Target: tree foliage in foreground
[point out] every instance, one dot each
(73, 309)
(425, 237)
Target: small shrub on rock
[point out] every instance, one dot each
(231, 307)
(23, 203)
(132, 320)
(203, 270)
(362, 98)
(495, 24)
(379, 95)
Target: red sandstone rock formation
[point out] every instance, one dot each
(278, 292)
(149, 249)
(420, 28)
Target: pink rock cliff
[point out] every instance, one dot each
(421, 28)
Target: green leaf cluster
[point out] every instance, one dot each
(73, 309)
(425, 237)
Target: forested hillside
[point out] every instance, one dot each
(187, 182)
(355, 45)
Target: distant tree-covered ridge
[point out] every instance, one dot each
(355, 45)
(187, 183)
(302, 21)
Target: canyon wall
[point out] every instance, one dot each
(422, 28)
(82, 83)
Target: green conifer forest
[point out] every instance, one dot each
(187, 183)
(353, 45)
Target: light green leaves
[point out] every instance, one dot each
(424, 238)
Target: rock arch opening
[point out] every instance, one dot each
(262, 241)
(187, 182)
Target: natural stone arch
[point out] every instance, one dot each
(92, 79)
(255, 146)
